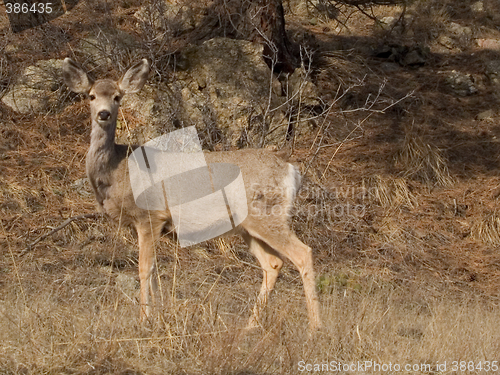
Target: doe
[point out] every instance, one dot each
(270, 184)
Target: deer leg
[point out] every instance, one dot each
(288, 245)
(147, 235)
(271, 265)
(301, 256)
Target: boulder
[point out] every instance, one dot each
(37, 89)
(300, 88)
(477, 7)
(222, 86)
(485, 115)
(225, 83)
(227, 91)
(459, 30)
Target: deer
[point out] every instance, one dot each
(271, 185)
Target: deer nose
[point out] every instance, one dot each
(104, 115)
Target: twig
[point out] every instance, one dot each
(325, 116)
(142, 339)
(64, 224)
(371, 112)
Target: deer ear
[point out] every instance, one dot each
(75, 78)
(133, 80)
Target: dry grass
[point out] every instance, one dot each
(423, 161)
(70, 304)
(487, 229)
(79, 321)
(392, 193)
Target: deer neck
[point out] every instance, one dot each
(102, 151)
(102, 140)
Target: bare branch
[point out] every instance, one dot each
(64, 224)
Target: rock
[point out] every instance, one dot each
(149, 120)
(485, 115)
(387, 51)
(11, 48)
(395, 24)
(37, 90)
(127, 284)
(300, 87)
(477, 7)
(310, 8)
(403, 55)
(388, 21)
(461, 83)
(155, 110)
(225, 89)
(142, 103)
(225, 82)
(492, 71)
(459, 30)
(389, 67)
(446, 41)
(414, 57)
(493, 44)
(82, 186)
(100, 48)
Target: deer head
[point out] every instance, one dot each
(105, 94)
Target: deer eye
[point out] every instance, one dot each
(117, 98)
(91, 97)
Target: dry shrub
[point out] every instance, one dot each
(160, 26)
(390, 228)
(41, 159)
(487, 229)
(391, 193)
(423, 161)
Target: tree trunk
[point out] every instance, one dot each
(261, 21)
(279, 52)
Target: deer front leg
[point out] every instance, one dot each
(146, 266)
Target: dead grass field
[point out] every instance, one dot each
(401, 208)
(85, 324)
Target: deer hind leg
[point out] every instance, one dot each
(271, 265)
(147, 234)
(286, 244)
